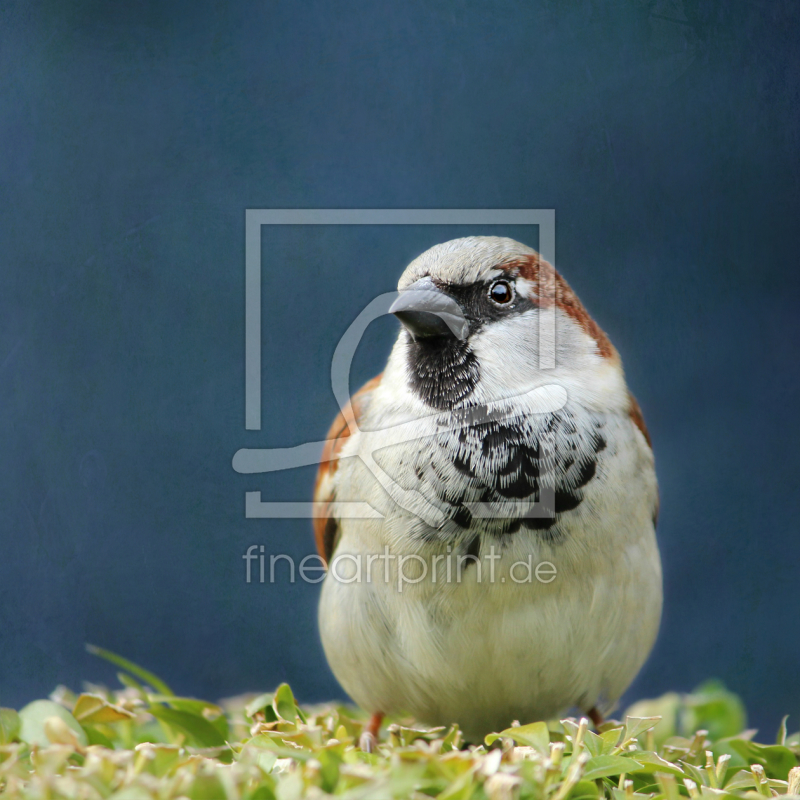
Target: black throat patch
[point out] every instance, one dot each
(444, 371)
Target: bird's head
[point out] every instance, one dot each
(473, 329)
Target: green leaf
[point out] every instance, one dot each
(644, 787)
(95, 736)
(159, 759)
(462, 788)
(258, 753)
(130, 682)
(260, 703)
(723, 747)
(652, 763)
(406, 736)
(199, 730)
(291, 759)
(202, 708)
(608, 766)
(668, 707)
(9, 725)
(262, 792)
(584, 790)
(636, 726)
(781, 737)
(221, 724)
(776, 759)
(535, 735)
(207, 786)
(713, 708)
(278, 747)
(329, 760)
(610, 740)
(453, 739)
(129, 666)
(34, 716)
(189, 704)
(695, 773)
(595, 744)
(284, 703)
(93, 709)
(132, 793)
(743, 779)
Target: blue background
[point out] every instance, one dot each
(134, 135)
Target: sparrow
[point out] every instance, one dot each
(507, 566)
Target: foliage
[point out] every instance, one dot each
(143, 742)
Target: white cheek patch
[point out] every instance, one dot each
(508, 357)
(507, 352)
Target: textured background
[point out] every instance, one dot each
(133, 136)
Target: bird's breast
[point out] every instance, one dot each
(499, 477)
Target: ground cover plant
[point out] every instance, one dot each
(143, 742)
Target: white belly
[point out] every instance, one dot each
(483, 653)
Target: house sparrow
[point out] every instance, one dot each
(532, 490)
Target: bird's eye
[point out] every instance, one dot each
(501, 292)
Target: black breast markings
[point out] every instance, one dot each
(503, 462)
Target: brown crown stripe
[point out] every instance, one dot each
(528, 267)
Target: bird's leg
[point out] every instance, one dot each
(375, 721)
(595, 716)
(369, 737)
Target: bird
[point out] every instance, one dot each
(507, 569)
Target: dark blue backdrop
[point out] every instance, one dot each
(133, 136)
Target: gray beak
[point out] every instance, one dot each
(427, 311)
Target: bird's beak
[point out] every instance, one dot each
(428, 311)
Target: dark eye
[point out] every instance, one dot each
(501, 292)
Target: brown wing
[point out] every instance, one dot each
(637, 418)
(326, 527)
